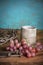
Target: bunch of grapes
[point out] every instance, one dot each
(23, 48)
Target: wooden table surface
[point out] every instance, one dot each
(37, 60)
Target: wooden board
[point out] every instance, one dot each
(37, 60)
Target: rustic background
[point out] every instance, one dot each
(17, 13)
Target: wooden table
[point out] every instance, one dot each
(37, 60)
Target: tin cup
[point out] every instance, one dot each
(29, 34)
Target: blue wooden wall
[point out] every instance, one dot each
(16, 13)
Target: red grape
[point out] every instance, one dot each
(11, 49)
(11, 41)
(38, 43)
(23, 41)
(30, 48)
(16, 41)
(41, 47)
(11, 45)
(20, 48)
(29, 55)
(33, 54)
(7, 48)
(14, 48)
(26, 51)
(25, 46)
(38, 49)
(18, 45)
(33, 50)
